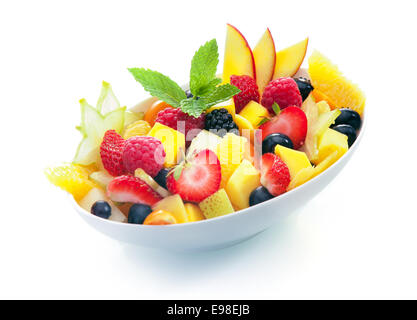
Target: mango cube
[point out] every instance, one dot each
(194, 212)
(254, 113)
(228, 105)
(218, 204)
(243, 181)
(171, 139)
(174, 205)
(323, 107)
(331, 141)
(295, 160)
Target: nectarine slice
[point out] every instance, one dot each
(265, 57)
(289, 60)
(238, 56)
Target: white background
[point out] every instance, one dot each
(357, 239)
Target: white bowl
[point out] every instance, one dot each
(222, 231)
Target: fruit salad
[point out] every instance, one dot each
(217, 146)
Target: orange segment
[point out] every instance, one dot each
(328, 79)
(320, 96)
(152, 113)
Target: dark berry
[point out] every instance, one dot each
(305, 87)
(350, 117)
(138, 213)
(188, 93)
(347, 130)
(161, 178)
(101, 209)
(270, 142)
(220, 121)
(259, 195)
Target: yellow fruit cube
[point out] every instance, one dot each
(331, 141)
(174, 205)
(228, 105)
(172, 140)
(218, 204)
(243, 181)
(295, 160)
(245, 127)
(230, 153)
(194, 212)
(254, 113)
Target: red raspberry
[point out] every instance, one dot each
(249, 91)
(143, 152)
(111, 150)
(283, 91)
(181, 121)
(275, 175)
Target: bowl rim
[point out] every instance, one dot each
(234, 214)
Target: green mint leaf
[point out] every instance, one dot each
(264, 120)
(276, 108)
(159, 85)
(193, 107)
(204, 68)
(220, 94)
(209, 88)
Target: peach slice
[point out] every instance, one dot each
(265, 57)
(238, 56)
(289, 60)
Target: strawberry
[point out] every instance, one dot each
(132, 189)
(292, 122)
(111, 150)
(199, 177)
(275, 175)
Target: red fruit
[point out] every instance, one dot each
(181, 121)
(275, 175)
(132, 189)
(143, 152)
(283, 91)
(249, 91)
(200, 177)
(292, 122)
(111, 150)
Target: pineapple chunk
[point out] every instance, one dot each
(194, 212)
(174, 205)
(204, 140)
(331, 141)
(254, 113)
(101, 178)
(218, 204)
(171, 139)
(323, 107)
(243, 181)
(295, 160)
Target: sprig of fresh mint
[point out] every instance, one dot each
(204, 85)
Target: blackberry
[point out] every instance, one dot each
(305, 87)
(221, 121)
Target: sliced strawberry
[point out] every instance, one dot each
(132, 189)
(275, 175)
(292, 122)
(200, 177)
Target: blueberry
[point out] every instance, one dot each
(259, 195)
(350, 117)
(138, 213)
(101, 209)
(161, 178)
(269, 143)
(304, 86)
(188, 93)
(347, 130)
